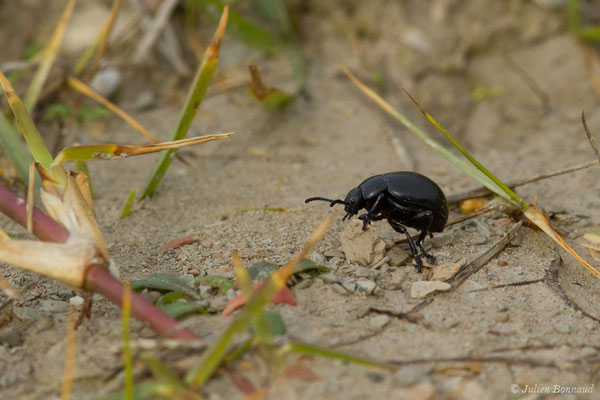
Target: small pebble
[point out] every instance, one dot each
(106, 81)
(502, 317)
(444, 272)
(379, 321)
(420, 289)
(588, 351)
(334, 263)
(318, 258)
(194, 271)
(479, 240)
(562, 327)
(362, 272)
(206, 243)
(381, 262)
(389, 243)
(231, 294)
(329, 278)
(187, 278)
(334, 253)
(303, 284)
(339, 289)
(441, 240)
(378, 291)
(76, 301)
(349, 286)
(397, 255)
(366, 287)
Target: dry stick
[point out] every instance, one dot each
(591, 138)
(512, 284)
(475, 265)
(520, 182)
(551, 279)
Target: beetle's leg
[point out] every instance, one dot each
(426, 218)
(413, 248)
(371, 214)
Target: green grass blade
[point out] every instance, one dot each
(214, 355)
(336, 355)
(467, 168)
(192, 102)
(515, 198)
(32, 136)
(128, 204)
(50, 52)
(13, 148)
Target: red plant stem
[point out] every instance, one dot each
(44, 227)
(100, 280)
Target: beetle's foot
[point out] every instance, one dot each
(419, 263)
(366, 220)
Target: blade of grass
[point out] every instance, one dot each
(192, 102)
(213, 357)
(14, 148)
(84, 89)
(101, 41)
(28, 129)
(515, 197)
(50, 52)
(535, 216)
(128, 204)
(304, 348)
(126, 316)
(100, 44)
(467, 168)
(112, 151)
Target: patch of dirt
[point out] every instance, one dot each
(505, 326)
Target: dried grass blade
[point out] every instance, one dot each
(535, 216)
(113, 151)
(194, 99)
(84, 89)
(101, 41)
(50, 52)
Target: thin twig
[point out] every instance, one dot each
(591, 138)
(531, 83)
(519, 283)
(491, 359)
(475, 265)
(482, 191)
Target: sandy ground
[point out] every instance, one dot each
(507, 331)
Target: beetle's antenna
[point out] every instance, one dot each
(333, 202)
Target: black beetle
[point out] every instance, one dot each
(404, 198)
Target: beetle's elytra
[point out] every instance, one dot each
(404, 199)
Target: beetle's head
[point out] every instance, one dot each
(353, 202)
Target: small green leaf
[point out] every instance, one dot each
(215, 282)
(169, 298)
(165, 283)
(181, 308)
(275, 323)
(307, 265)
(261, 270)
